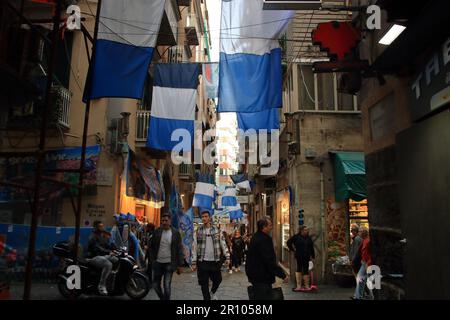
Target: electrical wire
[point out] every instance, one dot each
(239, 37)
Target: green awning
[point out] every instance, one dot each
(349, 176)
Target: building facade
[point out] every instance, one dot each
(117, 127)
(406, 123)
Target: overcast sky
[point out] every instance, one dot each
(214, 25)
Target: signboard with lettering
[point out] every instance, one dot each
(430, 89)
(104, 177)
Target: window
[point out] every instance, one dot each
(319, 92)
(306, 87)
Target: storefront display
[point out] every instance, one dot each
(358, 213)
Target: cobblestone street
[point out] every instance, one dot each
(185, 287)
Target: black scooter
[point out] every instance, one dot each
(125, 277)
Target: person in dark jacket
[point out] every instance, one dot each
(261, 266)
(303, 247)
(166, 256)
(99, 252)
(237, 249)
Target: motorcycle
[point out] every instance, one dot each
(125, 278)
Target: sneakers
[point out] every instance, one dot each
(230, 272)
(238, 269)
(213, 296)
(102, 290)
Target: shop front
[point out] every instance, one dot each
(348, 207)
(283, 214)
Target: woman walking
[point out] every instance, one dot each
(237, 248)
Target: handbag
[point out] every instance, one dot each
(275, 294)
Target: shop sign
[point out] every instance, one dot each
(430, 89)
(105, 177)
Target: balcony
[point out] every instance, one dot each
(186, 172)
(180, 54)
(168, 33)
(60, 104)
(192, 25)
(29, 114)
(142, 123)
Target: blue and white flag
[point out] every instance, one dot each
(204, 195)
(241, 181)
(173, 103)
(210, 74)
(229, 197)
(250, 73)
(268, 119)
(128, 30)
(235, 212)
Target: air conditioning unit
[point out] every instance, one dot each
(310, 153)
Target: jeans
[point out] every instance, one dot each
(361, 280)
(208, 270)
(161, 270)
(106, 264)
(236, 261)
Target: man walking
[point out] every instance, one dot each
(207, 248)
(261, 266)
(303, 247)
(366, 261)
(166, 256)
(355, 259)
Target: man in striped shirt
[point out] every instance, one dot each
(207, 248)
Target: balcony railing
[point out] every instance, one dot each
(61, 98)
(142, 123)
(186, 171)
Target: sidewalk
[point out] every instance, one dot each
(185, 287)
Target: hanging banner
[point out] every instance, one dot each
(175, 207)
(186, 228)
(211, 80)
(14, 245)
(21, 169)
(143, 181)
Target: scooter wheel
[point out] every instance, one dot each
(66, 292)
(137, 287)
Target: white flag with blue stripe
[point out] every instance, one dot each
(128, 30)
(250, 74)
(173, 103)
(235, 212)
(204, 195)
(229, 197)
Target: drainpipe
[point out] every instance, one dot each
(322, 219)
